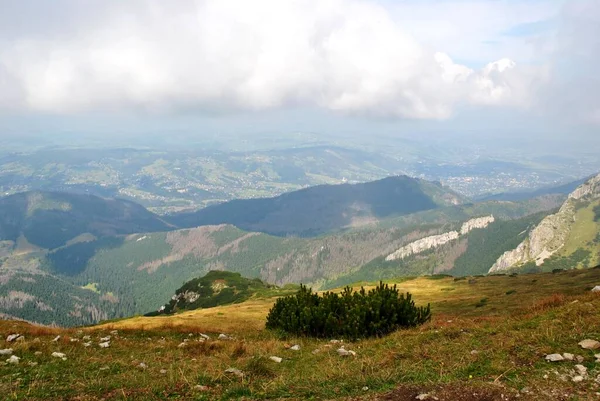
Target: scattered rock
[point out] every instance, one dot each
(344, 352)
(295, 348)
(365, 388)
(579, 358)
(474, 352)
(12, 337)
(142, 365)
(20, 339)
(597, 356)
(316, 351)
(37, 353)
(86, 338)
(582, 370)
(7, 351)
(56, 339)
(104, 368)
(205, 336)
(596, 288)
(13, 360)
(423, 396)
(114, 332)
(163, 371)
(30, 363)
(181, 345)
(74, 340)
(235, 371)
(334, 341)
(37, 340)
(577, 379)
(589, 344)
(276, 359)
(105, 344)
(200, 387)
(224, 337)
(59, 355)
(568, 357)
(87, 344)
(104, 339)
(554, 358)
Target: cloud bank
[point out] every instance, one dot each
(348, 56)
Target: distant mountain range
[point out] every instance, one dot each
(75, 259)
(523, 195)
(51, 219)
(325, 208)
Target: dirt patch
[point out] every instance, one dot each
(453, 392)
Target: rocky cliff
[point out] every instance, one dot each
(435, 241)
(550, 235)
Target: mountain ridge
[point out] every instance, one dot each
(325, 208)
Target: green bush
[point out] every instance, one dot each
(351, 314)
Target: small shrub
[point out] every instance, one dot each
(554, 271)
(351, 314)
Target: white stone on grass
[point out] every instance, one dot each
(7, 351)
(59, 355)
(276, 359)
(344, 352)
(554, 358)
(582, 370)
(235, 371)
(12, 337)
(589, 344)
(295, 348)
(56, 339)
(14, 360)
(105, 344)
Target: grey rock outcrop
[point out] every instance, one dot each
(435, 241)
(550, 234)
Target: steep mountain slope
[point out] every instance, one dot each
(325, 208)
(51, 219)
(569, 238)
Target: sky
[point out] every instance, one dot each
(417, 66)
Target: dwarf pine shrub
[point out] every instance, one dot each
(351, 314)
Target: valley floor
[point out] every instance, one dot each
(487, 341)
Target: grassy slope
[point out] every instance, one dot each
(525, 318)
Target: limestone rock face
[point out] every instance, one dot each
(423, 244)
(435, 241)
(550, 234)
(479, 222)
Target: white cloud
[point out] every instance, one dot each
(349, 56)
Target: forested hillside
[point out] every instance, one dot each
(50, 219)
(325, 208)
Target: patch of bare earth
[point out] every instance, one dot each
(450, 392)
